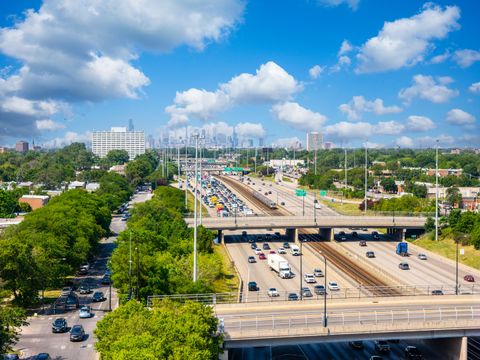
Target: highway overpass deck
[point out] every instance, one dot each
(295, 222)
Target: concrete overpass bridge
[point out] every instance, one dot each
(450, 317)
(395, 225)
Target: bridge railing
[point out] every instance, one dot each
(262, 296)
(258, 324)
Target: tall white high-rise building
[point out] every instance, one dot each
(314, 141)
(118, 138)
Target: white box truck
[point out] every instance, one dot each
(280, 265)
(295, 250)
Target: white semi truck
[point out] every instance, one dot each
(280, 265)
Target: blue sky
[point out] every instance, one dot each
(396, 73)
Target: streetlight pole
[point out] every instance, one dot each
(366, 178)
(186, 165)
(436, 192)
(303, 205)
(200, 207)
(325, 291)
(130, 268)
(315, 206)
(301, 270)
(195, 212)
(255, 160)
(456, 267)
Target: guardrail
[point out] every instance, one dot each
(263, 324)
(346, 293)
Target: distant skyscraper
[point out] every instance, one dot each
(314, 141)
(260, 142)
(250, 143)
(130, 125)
(234, 139)
(21, 146)
(118, 138)
(328, 145)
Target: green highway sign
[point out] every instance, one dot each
(323, 192)
(300, 192)
(228, 169)
(238, 169)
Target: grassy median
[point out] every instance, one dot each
(228, 282)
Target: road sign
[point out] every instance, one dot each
(323, 192)
(300, 192)
(462, 251)
(238, 169)
(227, 169)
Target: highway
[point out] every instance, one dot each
(37, 337)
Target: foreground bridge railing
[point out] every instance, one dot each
(346, 293)
(257, 325)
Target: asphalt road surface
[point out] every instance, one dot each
(37, 337)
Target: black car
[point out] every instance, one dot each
(412, 352)
(286, 245)
(43, 356)
(98, 296)
(356, 345)
(59, 325)
(77, 333)
(253, 246)
(84, 289)
(292, 297)
(252, 286)
(106, 280)
(72, 302)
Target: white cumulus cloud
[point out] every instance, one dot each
(475, 88)
(249, 130)
(388, 128)
(288, 142)
(406, 41)
(466, 57)
(269, 84)
(297, 116)
(68, 138)
(460, 117)
(405, 142)
(346, 47)
(420, 123)
(352, 4)
(49, 125)
(359, 104)
(316, 71)
(427, 88)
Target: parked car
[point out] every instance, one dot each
(469, 278)
(404, 266)
(422, 256)
(272, 292)
(292, 297)
(77, 333)
(85, 312)
(332, 285)
(319, 290)
(370, 254)
(309, 278)
(412, 352)
(98, 296)
(252, 286)
(358, 345)
(67, 290)
(251, 259)
(43, 356)
(106, 280)
(317, 272)
(59, 325)
(382, 346)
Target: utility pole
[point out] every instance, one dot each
(346, 184)
(130, 268)
(195, 212)
(178, 163)
(138, 271)
(256, 160)
(186, 164)
(366, 177)
(436, 192)
(200, 200)
(315, 160)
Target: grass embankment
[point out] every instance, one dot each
(447, 248)
(345, 208)
(190, 202)
(228, 281)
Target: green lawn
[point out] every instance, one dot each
(191, 200)
(446, 247)
(228, 282)
(346, 209)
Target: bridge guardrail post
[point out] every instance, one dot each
(376, 318)
(424, 315)
(273, 322)
(440, 310)
(391, 311)
(256, 323)
(408, 316)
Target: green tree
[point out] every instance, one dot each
(454, 196)
(429, 224)
(168, 331)
(11, 319)
(475, 236)
(117, 157)
(8, 203)
(389, 185)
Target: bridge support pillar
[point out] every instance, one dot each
(396, 233)
(220, 236)
(223, 355)
(326, 233)
(291, 234)
(452, 348)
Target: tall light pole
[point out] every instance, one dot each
(325, 291)
(255, 160)
(195, 211)
(315, 160)
(366, 177)
(130, 268)
(436, 192)
(200, 200)
(186, 165)
(178, 163)
(345, 168)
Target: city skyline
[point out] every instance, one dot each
(406, 77)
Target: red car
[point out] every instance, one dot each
(272, 251)
(469, 278)
(262, 256)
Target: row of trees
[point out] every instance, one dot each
(462, 226)
(50, 243)
(161, 246)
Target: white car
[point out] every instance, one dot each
(272, 292)
(318, 206)
(422, 256)
(85, 312)
(309, 278)
(258, 251)
(332, 285)
(281, 251)
(318, 272)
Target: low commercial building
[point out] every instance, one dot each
(35, 201)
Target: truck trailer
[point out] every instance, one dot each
(279, 265)
(402, 249)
